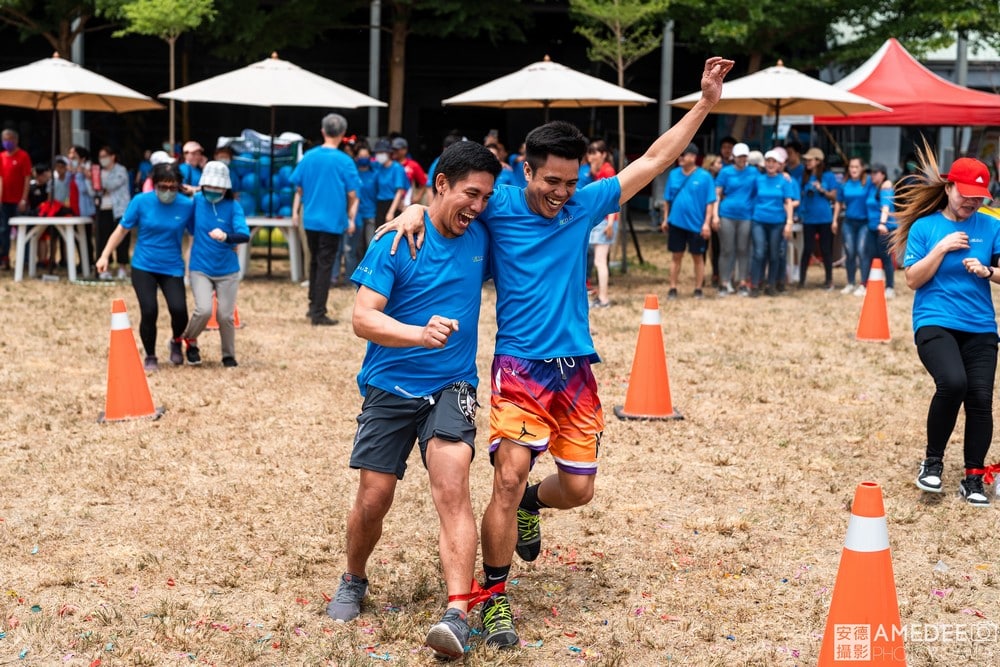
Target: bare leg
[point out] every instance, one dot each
(675, 269)
(499, 531)
(699, 271)
(601, 264)
(565, 490)
(448, 468)
(364, 523)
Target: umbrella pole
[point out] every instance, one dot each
(270, 191)
(777, 119)
(55, 144)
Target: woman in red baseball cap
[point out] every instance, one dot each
(950, 259)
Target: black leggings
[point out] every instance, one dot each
(145, 283)
(963, 366)
(809, 233)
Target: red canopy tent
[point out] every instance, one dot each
(917, 96)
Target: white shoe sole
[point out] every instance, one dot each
(929, 489)
(444, 643)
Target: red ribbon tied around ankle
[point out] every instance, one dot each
(989, 473)
(480, 594)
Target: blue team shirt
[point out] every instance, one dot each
(876, 200)
(159, 230)
(815, 208)
(737, 190)
(325, 175)
(688, 197)
(446, 279)
(366, 195)
(854, 194)
(388, 179)
(208, 256)
(540, 272)
(769, 195)
(954, 298)
(190, 175)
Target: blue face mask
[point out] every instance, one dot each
(166, 196)
(9, 145)
(364, 163)
(212, 197)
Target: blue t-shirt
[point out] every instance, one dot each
(388, 179)
(208, 256)
(446, 279)
(689, 195)
(737, 187)
(876, 200)
(366, 195)
(190, 175)
(769, 195)
(325, 175)
(815, 208)
(854, 194)
(583, 176)
(954, 298)
(540, 273)
(159, 230)
(431, 170)
(796, 173)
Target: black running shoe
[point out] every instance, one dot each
(529, 535)
(929, 477)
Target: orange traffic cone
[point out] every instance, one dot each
(874, 322)
(128, 392)
(213, 323)
(863, 626)
(648, 395)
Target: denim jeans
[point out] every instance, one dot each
(880, 242)
(856, 251)
(734, 250)
(768, 247)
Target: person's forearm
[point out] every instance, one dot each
(377, 327)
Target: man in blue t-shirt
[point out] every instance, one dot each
(325, 205)
(419, 382)
(687, 216)
(544, 395)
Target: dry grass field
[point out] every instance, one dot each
(213, 535)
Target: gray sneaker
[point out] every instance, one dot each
(346, 603)
(448, 637)
(176, 356)
(498, 622)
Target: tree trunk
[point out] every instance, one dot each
(397, 65)
(740, 126)
(185, 80)
(172, 41)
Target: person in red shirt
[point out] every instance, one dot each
(414, 172)
(15, 183)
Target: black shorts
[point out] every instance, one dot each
(680, 239)
(389, 425)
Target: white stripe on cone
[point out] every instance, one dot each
(866, 534)
(876, 274)
(650, 316)
(119, 321)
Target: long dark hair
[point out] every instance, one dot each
(921, 195)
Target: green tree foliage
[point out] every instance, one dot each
(620, 32)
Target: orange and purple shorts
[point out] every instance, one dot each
(549, 405)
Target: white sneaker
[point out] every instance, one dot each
(848, 289)
(105, 275)
(121, 273)
(890, 293)
(860, 291)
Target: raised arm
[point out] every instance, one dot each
(667, 148)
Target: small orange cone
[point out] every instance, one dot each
(648, 395)
(213, 323)
(128, 392)
(863, 627)
(874, 322)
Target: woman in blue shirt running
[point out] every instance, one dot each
(950, 260)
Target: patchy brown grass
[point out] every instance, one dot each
(212, 535)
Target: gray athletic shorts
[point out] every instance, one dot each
(389, 424)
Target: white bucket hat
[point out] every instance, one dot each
(215, 175)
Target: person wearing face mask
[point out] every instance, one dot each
(15, 182)
(194, 160)
(216, 228)
(159, 218)
(391, 184)
(224, 154)
(114, 200)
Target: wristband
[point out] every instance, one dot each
(990, 274)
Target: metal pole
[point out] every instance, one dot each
(374, 62)
(76, 55)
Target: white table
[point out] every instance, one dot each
(291, 235)
(73, 231)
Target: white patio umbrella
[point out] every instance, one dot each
(780, 89)
(57, 84)
(547, 85)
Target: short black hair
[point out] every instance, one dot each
(81, 151)
(728, 139)
(166, 171)
(795, 146)
(557, 138)
(461, 158)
